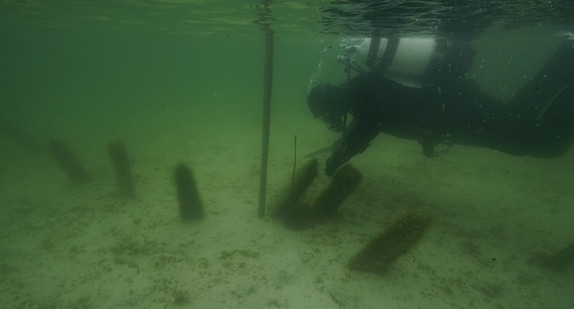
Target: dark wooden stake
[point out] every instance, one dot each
(343, 183)
(68, 162)
(119, 156)
(190, 206)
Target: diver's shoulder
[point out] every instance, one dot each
(372, 78)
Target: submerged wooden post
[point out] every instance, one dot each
(344, 182)
(267, 87)
(68, 162)
(119, 156)
(560, 259)
(190, 206)
(299, 184)
(291, 210)
(394, 241)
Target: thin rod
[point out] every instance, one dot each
(294, 163)
(267, 87)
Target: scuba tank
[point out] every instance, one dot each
(404, 60)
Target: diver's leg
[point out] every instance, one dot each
(545, 106)
(557, 122)
(550, 86)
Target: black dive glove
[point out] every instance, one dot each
(332, 165)
(343, 150)
(336, 159)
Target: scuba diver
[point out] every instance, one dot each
(443, 108)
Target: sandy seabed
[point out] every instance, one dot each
(65, 246)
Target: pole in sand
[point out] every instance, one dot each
(267, 86)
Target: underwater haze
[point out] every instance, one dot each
(176, 82)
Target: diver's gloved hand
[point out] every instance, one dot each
(336, 159)
(332, 164)
(330, 167)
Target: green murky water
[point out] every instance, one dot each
(181, 81)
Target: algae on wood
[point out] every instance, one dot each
(190, 206)
(394, 241)
(344, 182)
(121, 163)
(560, 259)
(68, 162)
(302, 180)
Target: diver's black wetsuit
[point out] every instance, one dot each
(538, 122)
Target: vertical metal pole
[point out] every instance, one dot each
(267, 87)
